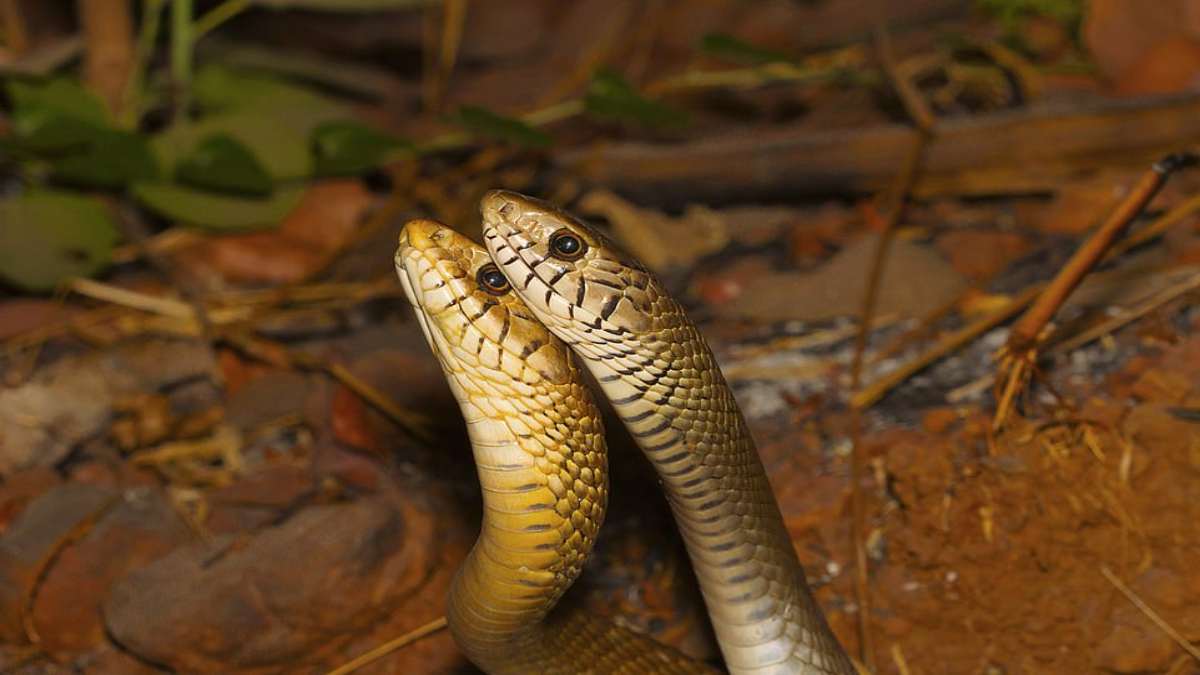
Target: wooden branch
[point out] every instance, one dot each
(1021, 151)
(108, 51)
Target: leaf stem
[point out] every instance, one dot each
(217, 16)
(181, 52)
(147, 37)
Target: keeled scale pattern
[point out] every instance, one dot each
(661, 377)
(541, 456)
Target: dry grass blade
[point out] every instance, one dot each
(867, 396)
(1150, 613)
(1105, 327)
(389, 647)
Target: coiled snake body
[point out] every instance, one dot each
(539, 449)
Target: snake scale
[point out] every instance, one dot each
(561, 286)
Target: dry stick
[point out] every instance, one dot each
(108, 49)
(894, 202)
(389, 647)
(16, 32)
(876, 390)
(1105, 327)
(1020, 352)
(1149, 612)
(440, 56)
(881, 387)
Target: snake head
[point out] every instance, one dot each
(570, 275)
(477, 327)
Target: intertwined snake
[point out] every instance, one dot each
(498, 325)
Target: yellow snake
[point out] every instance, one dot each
(661, 377)
(541, 458)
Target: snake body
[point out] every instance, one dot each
(541, 459)
(661, 377)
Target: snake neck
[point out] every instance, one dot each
(542, 468)
(544, 498)
(670, 394)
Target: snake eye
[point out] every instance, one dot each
(566, 245)
(492, 280)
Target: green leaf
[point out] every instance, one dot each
(216, 211)
(55, 115)
(272, 118)
(278, 142)
(610, 96)
(47, 236)
(221, 162)
(62, 95)
(112, 159)
(484, 122)
(220, 88)
(346, 147)
(725, 46)
(44, 131)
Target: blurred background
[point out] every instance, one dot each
(226, 448)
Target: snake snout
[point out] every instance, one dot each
(421, 234)
(498, 205)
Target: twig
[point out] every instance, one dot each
(181, 55)
(880, 388)
(16, 32)
(131, 104)
(108, 55)
(893, 201)
(899, 660)
(867, 396)
(1149, 612)
(441, 56)
(1108, 326)
(176, 309)
(1020, 353)
(1025, 332)
(217, 16)
(389, 647)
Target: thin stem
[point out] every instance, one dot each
(389, 647)
(147, 37)
(181, 52)
(217, 16)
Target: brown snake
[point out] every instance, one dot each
(542, 462)
(661, 377)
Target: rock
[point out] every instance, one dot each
(979, 256)
(661, 242)
(274, 602)
(139, 529)
(72, 399)
(22, 488)
(267, 397)
(836, 288)
(32, 539)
